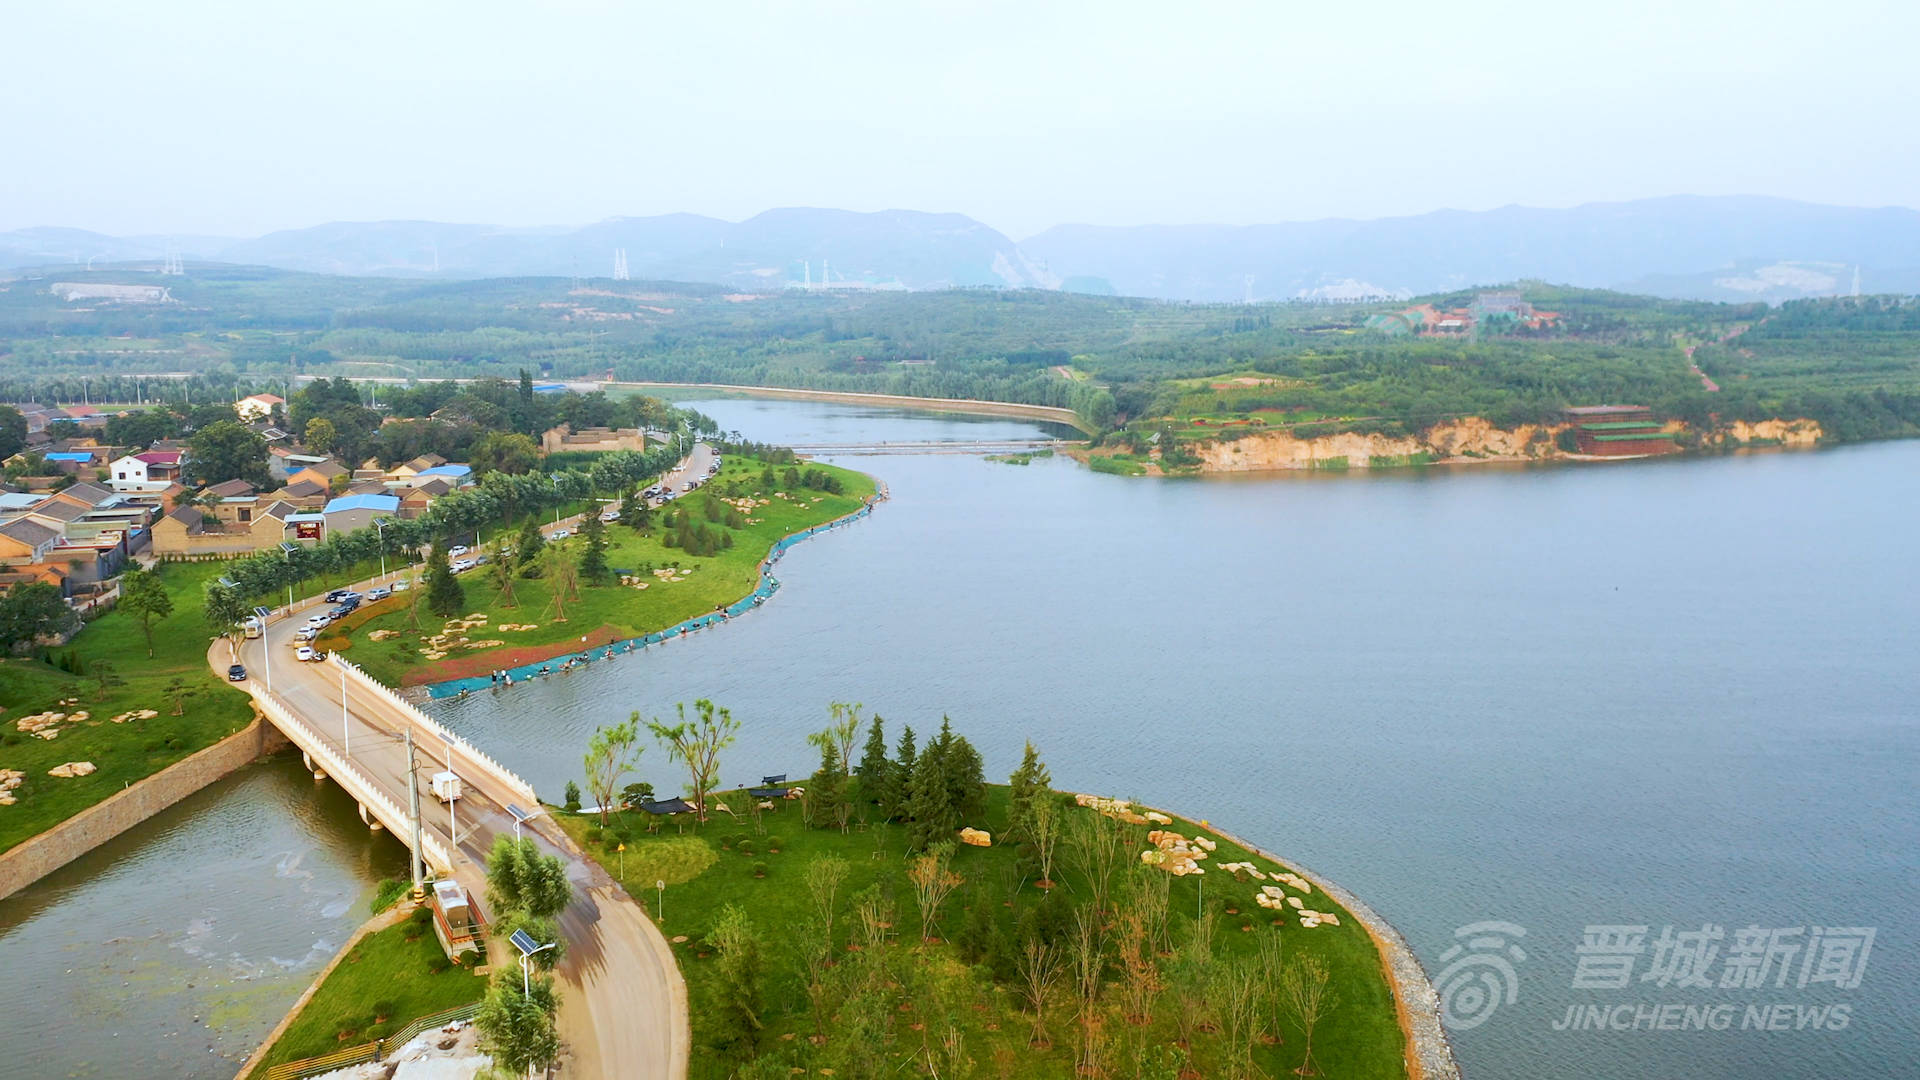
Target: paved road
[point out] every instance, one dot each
(623, 1006)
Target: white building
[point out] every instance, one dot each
(257, 406)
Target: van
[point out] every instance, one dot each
(254, 626)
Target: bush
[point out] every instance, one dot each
(596, 835)
(384, 894)
(572, 805)
(421, 916)
(773, 844)
(745, 846)
(759, 869)
(383, 1011)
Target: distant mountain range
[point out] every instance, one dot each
(1720, 248)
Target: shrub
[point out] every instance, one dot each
(773, 844)
(572, 805)
(759, 869)
(384, 894)
(596, 835)
(745, 846)
(421, 916)
(11, 738)
(383, 1011)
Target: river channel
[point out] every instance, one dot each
(1665, 694)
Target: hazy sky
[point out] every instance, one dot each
(187, 116)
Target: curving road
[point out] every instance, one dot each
(623, 1010)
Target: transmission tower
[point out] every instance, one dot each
(173, 265)
(620, 264)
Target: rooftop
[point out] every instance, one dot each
(387, 503)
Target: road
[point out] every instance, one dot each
(623, 1009)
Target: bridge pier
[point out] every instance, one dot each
(372, 823)
(307, 760)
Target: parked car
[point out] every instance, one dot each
(560, 534)
(610, 516)
(306, 633)
(305, 652)
(402, 585)
(319, 621)
(456, 551)
(335, 595)
(237, 673)
(374, 596)
(350, 597)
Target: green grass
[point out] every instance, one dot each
(1117, 464)
(399, 973)
(609, 612)
(125, 752)
(705, 870)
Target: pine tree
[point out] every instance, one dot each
(445, 597)
(526, 551)
(875, 767)
(593, 560)
(966, 780)
(827, 791)
(929, 801)
(1029, 782)
(894, 802)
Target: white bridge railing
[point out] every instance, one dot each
(357, 783)
(479, 757)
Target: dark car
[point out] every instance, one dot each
(237, 673)
(336, 595)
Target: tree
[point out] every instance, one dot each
(824, 877)
(612, 753)
(145, 597)
(177, 693)
(697, 744)
(826, 795)
(930, 813)
(1304, 990)
(445, 597)
(13, 431)
(1095, 851)
(321, 437)
(503, 451)
(900, 782)
(1028, 786)
(740, 973)
(32, 610)
(1043, 831)
(520, 878)
(1039, 965)
(500, 573)
(225, 610)
(845, 728)
(526, 549)
(876, 768)
(561, 574)
(933, 881)
(1237, 996)
(228, 450)
(593, 558)
(105, 678)
(517, 1028)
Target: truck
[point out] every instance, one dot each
(446, 787)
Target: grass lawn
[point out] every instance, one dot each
(121, 752)
(605, 613)
(929, 986)
(393, 977)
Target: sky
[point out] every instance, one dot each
(189, 117)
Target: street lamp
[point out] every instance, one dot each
(556, 497)
(528, 949)
(287, 548)
(380, 530)
(520, 816)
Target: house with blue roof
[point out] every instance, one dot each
(350, 512)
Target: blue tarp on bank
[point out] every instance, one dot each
(566, 663)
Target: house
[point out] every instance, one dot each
(415, 500)
(321, 472)
(455, 475)
(26, 540)
(350, 512)
(592, 439)
(1618, 431)
(257, 406)
(409, 469)
(191, 531)
(70, 462)
(304, 494)
(151, 470)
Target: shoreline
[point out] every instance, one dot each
(596, 651)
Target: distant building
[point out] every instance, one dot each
(592, 440)
(119, 294)
(257, 406)
(350, 512)
(152, 470)
(1618, 431)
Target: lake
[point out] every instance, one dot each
(1667, 694)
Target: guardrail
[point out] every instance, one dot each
(363, 786)
(373, 1051)
(500, 772)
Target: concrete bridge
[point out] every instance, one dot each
(623, 1003)
(984, 446)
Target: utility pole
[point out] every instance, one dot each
(413, 814)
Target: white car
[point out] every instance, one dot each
(376, 595)
(464, 565)
(305, 652)
(456, 551)
(306, 633)
(610, 516)
(560, 535)
(319, 621)
(402, 585)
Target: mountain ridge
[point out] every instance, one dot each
(1682, 246)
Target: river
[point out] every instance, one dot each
(1667, 693)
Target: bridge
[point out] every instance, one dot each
(623, 1003)
(984, 446)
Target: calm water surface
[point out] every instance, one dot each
(1668, 694)
(172, 951)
